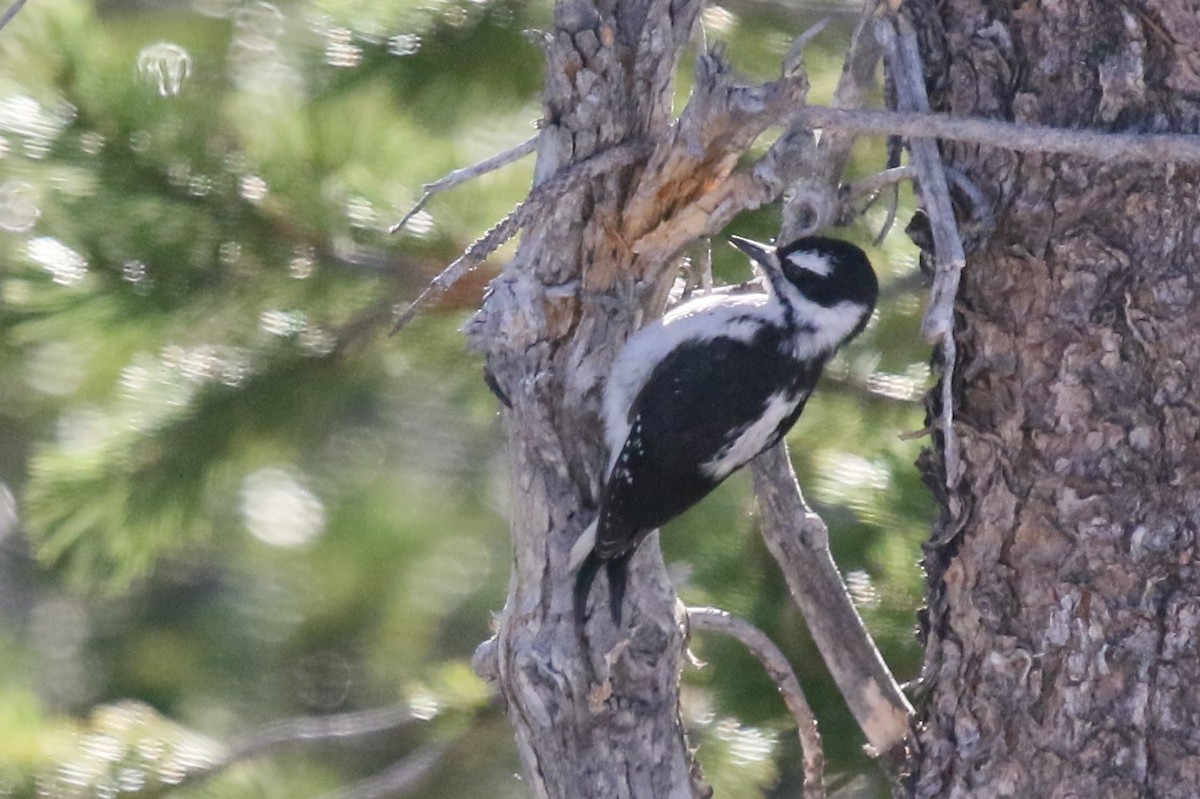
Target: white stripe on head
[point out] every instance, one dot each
(810, 261)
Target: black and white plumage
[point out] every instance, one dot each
(694, 396)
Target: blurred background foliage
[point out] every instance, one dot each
(226, 498)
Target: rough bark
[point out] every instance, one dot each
(609, 80)
(1062, 645)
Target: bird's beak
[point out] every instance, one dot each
(761, 254)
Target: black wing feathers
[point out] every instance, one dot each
(681, 420)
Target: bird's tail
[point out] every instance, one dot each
(584, 559)
(583, 585)
(618, 574)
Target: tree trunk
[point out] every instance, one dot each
(594, 720)
(1062, 648)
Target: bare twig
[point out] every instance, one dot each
(799, 541)
(400, 778)
(981, 208)
(904, 60)
(468, 173)
(11, 12)
(794, 60)
(1099, 145)
(540, 198)
(306, 730)
(905, 67)
(890, 219)
(781, 673)
(879, 181)
(870, 187)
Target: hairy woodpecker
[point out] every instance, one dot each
(694, 396)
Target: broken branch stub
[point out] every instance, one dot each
(721, 120)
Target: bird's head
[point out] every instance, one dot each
(827, 272)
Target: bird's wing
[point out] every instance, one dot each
(682, 420)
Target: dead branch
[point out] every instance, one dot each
(869, 188)
(983, 218)
(540, 198)
(467, 173)
(1018, 136)
(905, 67)
(11, 12)
(873, 184)
(781, 673)
(799, 541)
(904, 62)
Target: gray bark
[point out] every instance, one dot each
(1062, 649)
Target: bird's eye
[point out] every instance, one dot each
(810, 262)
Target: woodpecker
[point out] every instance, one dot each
(694, 396)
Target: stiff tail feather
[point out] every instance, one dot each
(584, 558)
(583, 585)
(617, 570)
(618, 576)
